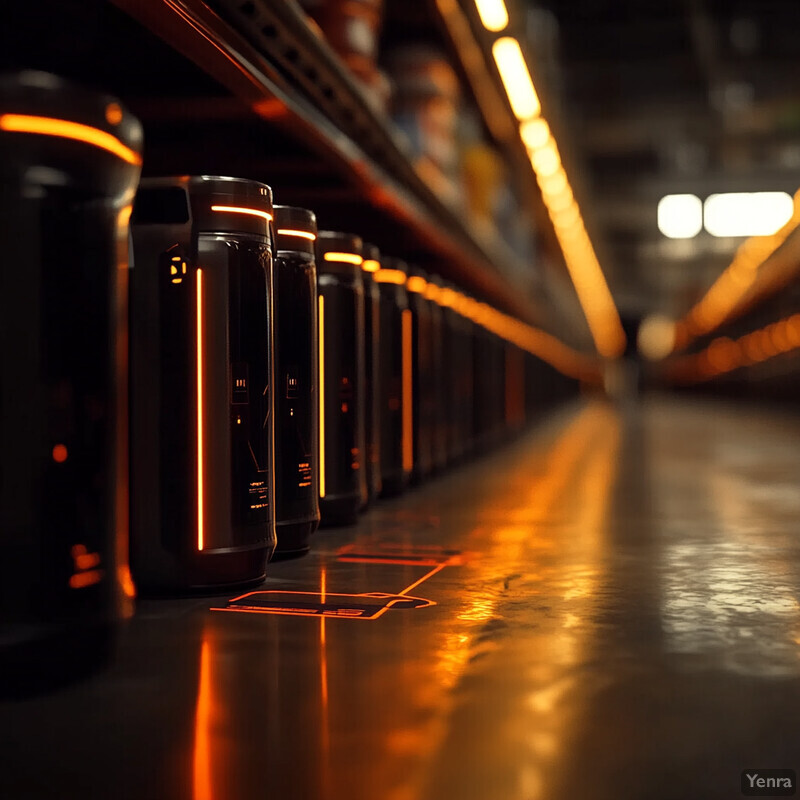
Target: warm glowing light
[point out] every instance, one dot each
(535, 133)
(47, 126)
(680, 216)
(516, 78)
(60, 453)
(553, 184)
(321, 349)
(113, 114)
(251, 212)
(446, 297)
(299, 234)
(656, 337)
(408, 392)
(560, 203)
(344, 258)
(432, 292)
(371, 265)
(83, 579)
(546, 160)
(416, 284)
(200, 415)
(86, 561)
(493, 14)
(395, 276)
(203, 723)
(747, 213)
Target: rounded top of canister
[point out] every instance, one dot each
(339, 253)
(48, 122)
(211, 203)
(295, 229)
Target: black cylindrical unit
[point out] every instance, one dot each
(340, 287)
(297, 392)
(439, 378)
(422, 373)
(395, 386)
(69, 163)
(372, 419)
(202, 413)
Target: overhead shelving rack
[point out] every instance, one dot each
(249, 87)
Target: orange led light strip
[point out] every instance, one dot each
(371, 265)
(299, 234)
(395, 276)
(321, 347)
(252, 212)
(344, 258)
(200, 412)
(408, 411)
(48, 126)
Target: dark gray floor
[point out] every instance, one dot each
(616, 616)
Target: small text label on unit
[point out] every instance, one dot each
(769, 782)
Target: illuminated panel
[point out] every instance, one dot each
(747, 213)
(250, 212)
(200, 415)
(321, 348)
(493, 14)
(371, 265)
(395, 276)
(680, 216)
(299, 234)
(344, 258)
(47, 126)
(516, 78)
(408, 388)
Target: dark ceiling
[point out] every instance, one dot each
(670, 96)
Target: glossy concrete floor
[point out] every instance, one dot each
(606, 609)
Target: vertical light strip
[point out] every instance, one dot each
(321, 346)
(200, 415)
(408, 392)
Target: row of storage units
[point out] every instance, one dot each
(194, 377)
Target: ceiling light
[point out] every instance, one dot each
(516, 78)
(493, 14)
(546, 161)
(747, 213)
(535, 133)
(680, 216)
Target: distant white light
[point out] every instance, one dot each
(747, 213)
(656, 337)
(680, 216)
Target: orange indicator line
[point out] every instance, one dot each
(200, 412)
(252, 212)
(321, 347)
(47, 126)
(425, 577)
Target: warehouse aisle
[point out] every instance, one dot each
(607, 608)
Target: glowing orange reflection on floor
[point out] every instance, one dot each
(202, 784)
